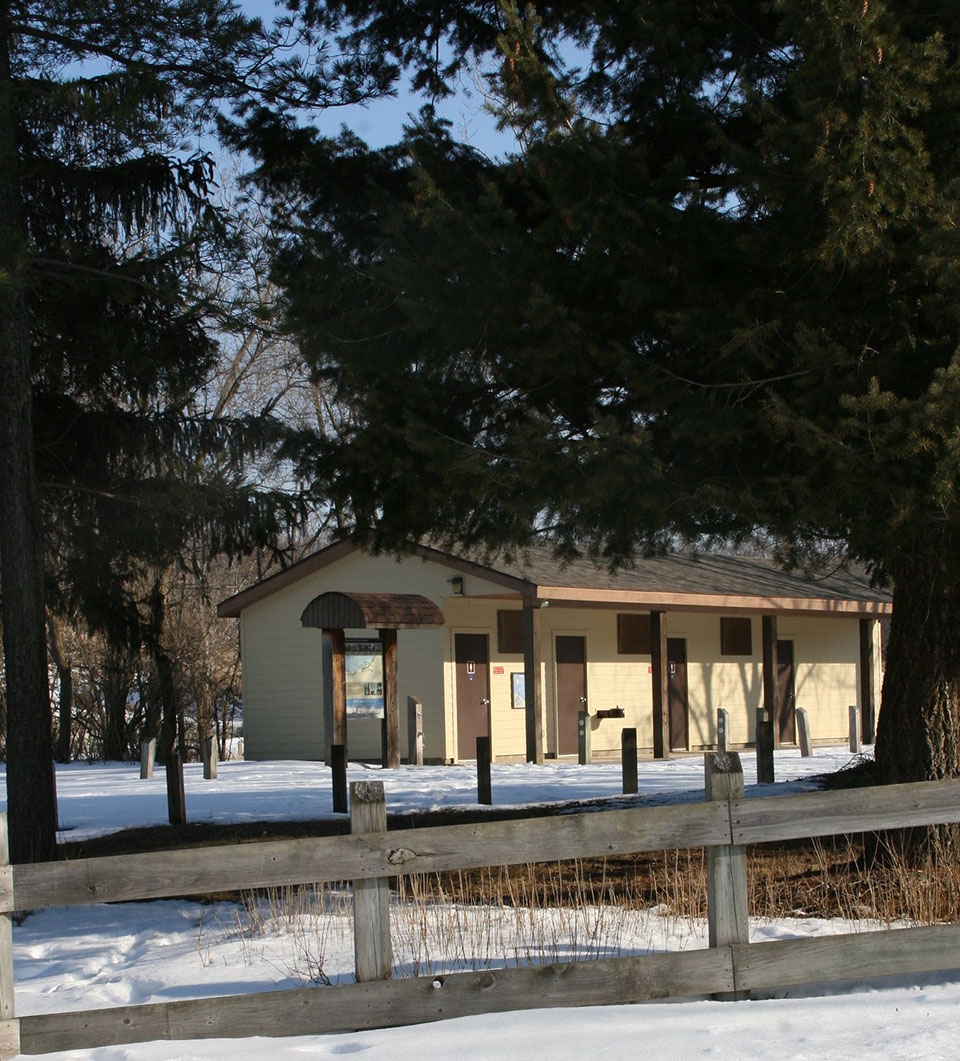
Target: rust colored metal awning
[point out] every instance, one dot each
(371, 611)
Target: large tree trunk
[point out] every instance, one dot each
(31, 798)
(918, 734)
(918, 731)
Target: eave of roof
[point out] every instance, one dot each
(679, 581)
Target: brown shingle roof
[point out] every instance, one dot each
(680, 580)
(371, 611)
(685, 572)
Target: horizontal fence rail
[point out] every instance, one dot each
(419, 1000)
(275, 863)
(725, 824)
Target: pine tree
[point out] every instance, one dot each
(109, 468)
(714, 291)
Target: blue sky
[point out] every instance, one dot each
(381, 122)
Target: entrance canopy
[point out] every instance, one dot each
(387, 612)
(371, 611)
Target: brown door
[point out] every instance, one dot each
(786, 696)
(571, 691)
(473, 692)
(677, 692)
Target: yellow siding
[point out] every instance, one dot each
(283, 681)
(282, 678)
(465, 615)
(612, 680)
(826, 655)
(714, 681)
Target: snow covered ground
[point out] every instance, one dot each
(149, 952)
(101, 798)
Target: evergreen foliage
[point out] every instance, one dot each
(110, 467)
(714, 290)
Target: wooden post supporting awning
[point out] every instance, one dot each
(385, 612)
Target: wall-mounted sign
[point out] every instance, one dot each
(518, 690)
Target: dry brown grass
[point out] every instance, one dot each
(830, 878)
(584, 909)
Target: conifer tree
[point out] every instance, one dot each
(107, 224)
(715, 290)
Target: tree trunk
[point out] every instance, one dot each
(30, 778)
(918, 734)
(115, 689)
(65, 681)
(918, 731)
(168, 704)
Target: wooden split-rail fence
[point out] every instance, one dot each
(731, 967)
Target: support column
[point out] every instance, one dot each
(660, 681)
(869, 683)
(533, 687)
(767, 729)
(770, 686)
(335, 704)
(391, 697)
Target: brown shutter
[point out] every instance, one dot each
(633, 634)
(509, 632)
(736, 637)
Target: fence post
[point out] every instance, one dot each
(414, 731)
(373, 954)
(628, 758)
(583, 738)
(210, 758)
(764, 748)
(176, 798)
(803, 732)
(338, 770)
(855, 744)
(484, 792)
(723, 729)
(148, 756)
(9, 1025)
(726, 863)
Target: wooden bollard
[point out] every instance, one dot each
(764, 748)
(628, 759)
(803, 733)
(338, 771)
(723, 729)
(726, 863)
(208, 751)
(176, 798)
(484, 791)
(414, 731)
(855, 742)
(584, 753)
(372, 950)
(148, 756)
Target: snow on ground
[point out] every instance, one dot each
(99, 798)
(131, 953)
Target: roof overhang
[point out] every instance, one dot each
(572, 597)
(529, 591)
(371, 611)
(233, 606)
